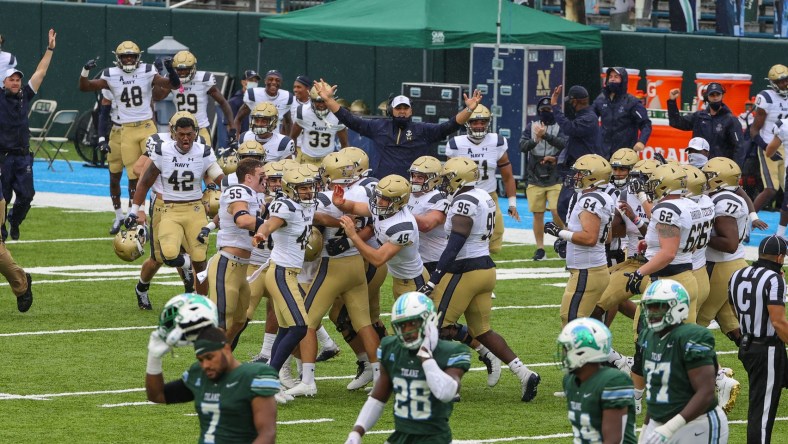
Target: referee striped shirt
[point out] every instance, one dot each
(750, 291)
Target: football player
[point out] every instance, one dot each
(464, 277)
(301, 87)
(109, 143)
(316, 130)
(7, 60)
(678, 364)
(599, 399)
(262, 123)
(179, 166)
(131, 83)
(696, 190)
(588, 225)
(281, 99)
(488, 150)
(423, 372)
(192, 96)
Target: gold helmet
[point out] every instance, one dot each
(721, 174)
(251, 148)
(667, 179)
(339, 169)
(180, 115)
(383, 108)
(273, 177)
(315, 100)
(228, 163)
(289, 164)
(316, 173)
(314, 245)
(261, 111)
(589, 171)
(210, 198)
(777, 73)
(623, 158)
(640, 173)
(429, 166)
(184, 60)
(343, 103)
(295, 178)
(696, 181)
(359, 107)
(458, 172)
(129, 244)
(125, 49)
(360, 157)
(393, 188)
(480, 113)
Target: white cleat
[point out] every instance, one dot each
(364, 376)
(713, 325)
(492, 295)
(303, 390)
(560, 394)
(727, 371)
(727, 391)
(286, 377)
(493, 365)
(282, 397)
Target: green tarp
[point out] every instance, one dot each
(427, 24)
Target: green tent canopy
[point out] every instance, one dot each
(427, 24)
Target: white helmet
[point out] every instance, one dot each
(412, 305)
(673, 300)
(185, 316)
(581, 341)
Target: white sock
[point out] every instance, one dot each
(639, 394)
(781, 230)
(119, 214)
(375, 371)
(308, 373)
(481, 350)
(517, 367)
(324, 339)
(362, 357)
(187, 262)
(268, 343)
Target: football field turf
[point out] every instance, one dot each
(74, 365)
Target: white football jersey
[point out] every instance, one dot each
(283, 101)
(181, 174)
(728, 203)
(277, 147)
(485, 153)
(633, 235)
(318, 136)
(433, 242)
(297, 103)
(193, 97)
(401, 229)
(702, 231)
(479, 206)
(367, 185)
(324, 205)
(262, 252)
(290, 240)
(229, 234)
(597, 202)
(133, 91)
(776, 108)
(113, 111)
(683, 213)
(7, 61)
(615, 193)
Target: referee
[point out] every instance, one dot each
(757, 294)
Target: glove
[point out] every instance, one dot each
(130, 221)
(353, 438)
(232, 136)
(427, 288)
(157, 347)
(211, 186)
(90, 64)
(552, 229)
(204, 233)
(633, 281)
(430, 340)
(167, 63)
(337, 245)
(560, 248)
(233, 146)
(663, 433)
(103, 145)
(158, 64)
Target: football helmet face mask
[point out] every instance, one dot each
(390, 196)
(478, 125)
(185, 64)
(721, 174)
(263, 118)
(127, 56)
(273, 178)
(314, 245)
(129, 243)
(228, 163)
(581, 341)
(409, 318)
(665, 302)
(168, 320)
(210, 198)
(338, 168)
(300, 186)
(456, 173)
(318, 104)
(589, 171)
(425, 174)
(696, 182)
(665, 180)
(778, 75)
(251, 148)
(622, 159)
(360, 157)
(640, 173)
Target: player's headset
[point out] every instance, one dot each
(389, 109)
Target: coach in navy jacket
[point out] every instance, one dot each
(625, 123)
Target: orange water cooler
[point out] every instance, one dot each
(737, 88)
(660, 82)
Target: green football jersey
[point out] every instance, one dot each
(608, 388)
(416, 410)
(666, 361)
(225, 406)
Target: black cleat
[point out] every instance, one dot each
(116, 224)
(25, 300)
(529, 387)
(142, 296)
(14, 233)
(326, 354)
(539, 255)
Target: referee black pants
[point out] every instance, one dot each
(766, 368)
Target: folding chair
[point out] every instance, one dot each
(57, 135)
(40, 116)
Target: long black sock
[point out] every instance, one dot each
(238, 336)
(288, 343)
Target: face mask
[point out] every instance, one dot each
(715, 106)
(697, 160)
(401, 122)
(250, 85)
(614, 88)
(547, 117)
(569, 110)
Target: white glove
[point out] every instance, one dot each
(175, 338)
(353, 438)
(663, 433)
(157, 347)
(430, 337)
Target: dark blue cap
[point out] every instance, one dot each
(714, 87)
(773, 246)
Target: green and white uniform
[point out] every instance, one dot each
(224, 406)
(608, 388)
(416, 410)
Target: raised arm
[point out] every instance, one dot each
(43, 65)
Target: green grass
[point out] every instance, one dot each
(68, 363)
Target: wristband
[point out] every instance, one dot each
(50, 49)
(211, 226)
(675, 423)
(512, 201)
(154, 366)
(640, 223)
(642, 197)
(566, 235)
(468, 109)
(754, 216)
(135, 209)
(101, 140)
(85, 72)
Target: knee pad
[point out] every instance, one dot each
(380, 329)
(178, 261)
(456, 332)
(344, 325)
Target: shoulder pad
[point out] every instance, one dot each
(157, 147)
(289, 98)
(250, 94)
(284, 142)
(466, 197)
(669, 206)
(207, 76)
(453, 143)
(436, 198)
(300, 112)
(225, 182)
(324, 199)
(766, 96)
(12, 60)
(105, 73)
(207, 151)
(594, 195)
(148, 67)
(402, 226)
(501, 140)
(287, 203)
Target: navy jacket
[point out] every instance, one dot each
(14, 126)
(397, 148)
(624, 119)
(235, 102)
(722, 131)
(583, 135)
